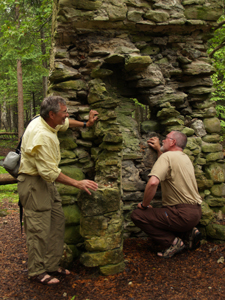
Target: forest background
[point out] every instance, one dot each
(25, 45)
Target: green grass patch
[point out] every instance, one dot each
(8, 191)
(9, 143)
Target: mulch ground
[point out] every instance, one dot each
(188, 275)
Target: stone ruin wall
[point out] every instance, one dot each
(105, 54)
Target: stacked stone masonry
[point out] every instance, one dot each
(110, 56)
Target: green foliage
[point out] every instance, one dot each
(137, 103)
(218, 59)
(25, 26)
(8, 191)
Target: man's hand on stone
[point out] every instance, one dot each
(85, 185)
(93, 116)
(154, 143)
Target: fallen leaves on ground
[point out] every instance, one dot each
(188, 275)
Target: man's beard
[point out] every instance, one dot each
(162, 149)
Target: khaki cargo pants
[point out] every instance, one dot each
(44, 223)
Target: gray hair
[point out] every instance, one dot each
(51, 103)
(181, 139)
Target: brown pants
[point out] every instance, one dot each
(165, 223)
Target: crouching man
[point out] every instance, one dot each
(181, 202)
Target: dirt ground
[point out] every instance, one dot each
(188, 275)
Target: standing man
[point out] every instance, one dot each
(181, 202)
(43, 215)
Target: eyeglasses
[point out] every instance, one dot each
(63, 111)
(167, 137)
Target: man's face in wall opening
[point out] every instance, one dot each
(168, 142)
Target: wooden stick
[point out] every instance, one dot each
(7, 179)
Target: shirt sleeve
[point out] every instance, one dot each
(46, 163)
(161, 168)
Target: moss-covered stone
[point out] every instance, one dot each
(81, 4)
(215, 201)
(72, 234)
(111, 147)
(75, 252)
(115, 59)
(216, 231)
(203, 182)
(97, 91)
(93, 259)
(207, 214)
(172, 122)
(211, 138)
(104, 243)
(134, 16)
(112, 269)
(212, 125)
(218, 190)
(101, 225)
(188, 131)
(216, 172)
(67, 143)
(100, 202)
(209, 147)
(210, 12)
(67, 154)
(72, 214)
(157, 16)
(72, 172)
(76, 85)
(63, 72)
(214, 156)
(198, 67)
(150, 126)
(150, 50)
(111, 137)
(101, 73)
(137, 63)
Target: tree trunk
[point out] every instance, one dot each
(20, 99)
(34, 105)
(44, 63)
(20, 87)
(4, 122)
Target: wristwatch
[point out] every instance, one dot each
(145, 207)
(85, 124)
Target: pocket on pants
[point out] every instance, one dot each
(34, 193)
(33, 221)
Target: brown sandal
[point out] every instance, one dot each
(173, 249)
(60, 271)
(195, 239)
(39, 278)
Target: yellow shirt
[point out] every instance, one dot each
(176, 173)
(40, 149)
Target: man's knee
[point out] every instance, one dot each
(134, 215)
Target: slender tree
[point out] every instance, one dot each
(24, 51)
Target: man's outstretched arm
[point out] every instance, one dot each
(149, 193)
(93, 116)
